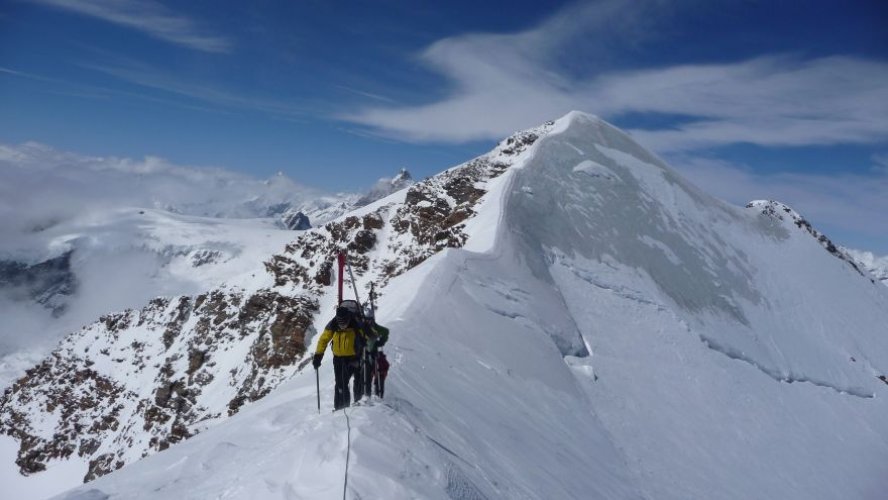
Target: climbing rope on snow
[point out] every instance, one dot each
(347, 451)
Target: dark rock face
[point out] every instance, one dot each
(85, 402)
(49, 282)
(296, 221)
(136, 382)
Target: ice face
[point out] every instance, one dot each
(632, 199)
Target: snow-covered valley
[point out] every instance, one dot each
(570, 319)
(121, 259)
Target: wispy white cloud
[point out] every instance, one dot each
(149, 17)
(154, 78)
(26, 75)
(771, 101)
(371, 95)
(504, 82)
(97, 92)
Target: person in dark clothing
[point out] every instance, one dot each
(348, 340)
(382, 369)
(376, 363)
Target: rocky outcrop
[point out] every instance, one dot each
(296, 221)
(138, 381)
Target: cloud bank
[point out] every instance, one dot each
(54, 203)
(41, 186)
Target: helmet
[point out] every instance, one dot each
(368, 312)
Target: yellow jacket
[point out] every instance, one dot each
(343, 340)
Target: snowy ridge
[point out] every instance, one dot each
(570, 319)
(777, 210)
(158, 375)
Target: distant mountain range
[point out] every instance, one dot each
(301, 216)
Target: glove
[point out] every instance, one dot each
(316, 362)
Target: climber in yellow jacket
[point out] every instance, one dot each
(347, 337)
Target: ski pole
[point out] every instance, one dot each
(318, 387)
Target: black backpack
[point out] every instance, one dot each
(352, 306)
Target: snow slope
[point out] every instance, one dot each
(735, 357)
(600, 329)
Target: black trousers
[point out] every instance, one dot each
(344, 368)
(373, 379)
(378, 384)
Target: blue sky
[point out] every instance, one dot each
(750, 99)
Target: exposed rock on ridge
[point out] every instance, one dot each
(777, 210)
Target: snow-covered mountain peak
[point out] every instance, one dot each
(402, 178)
(386, 186)
(775, 209)
(566, 292)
